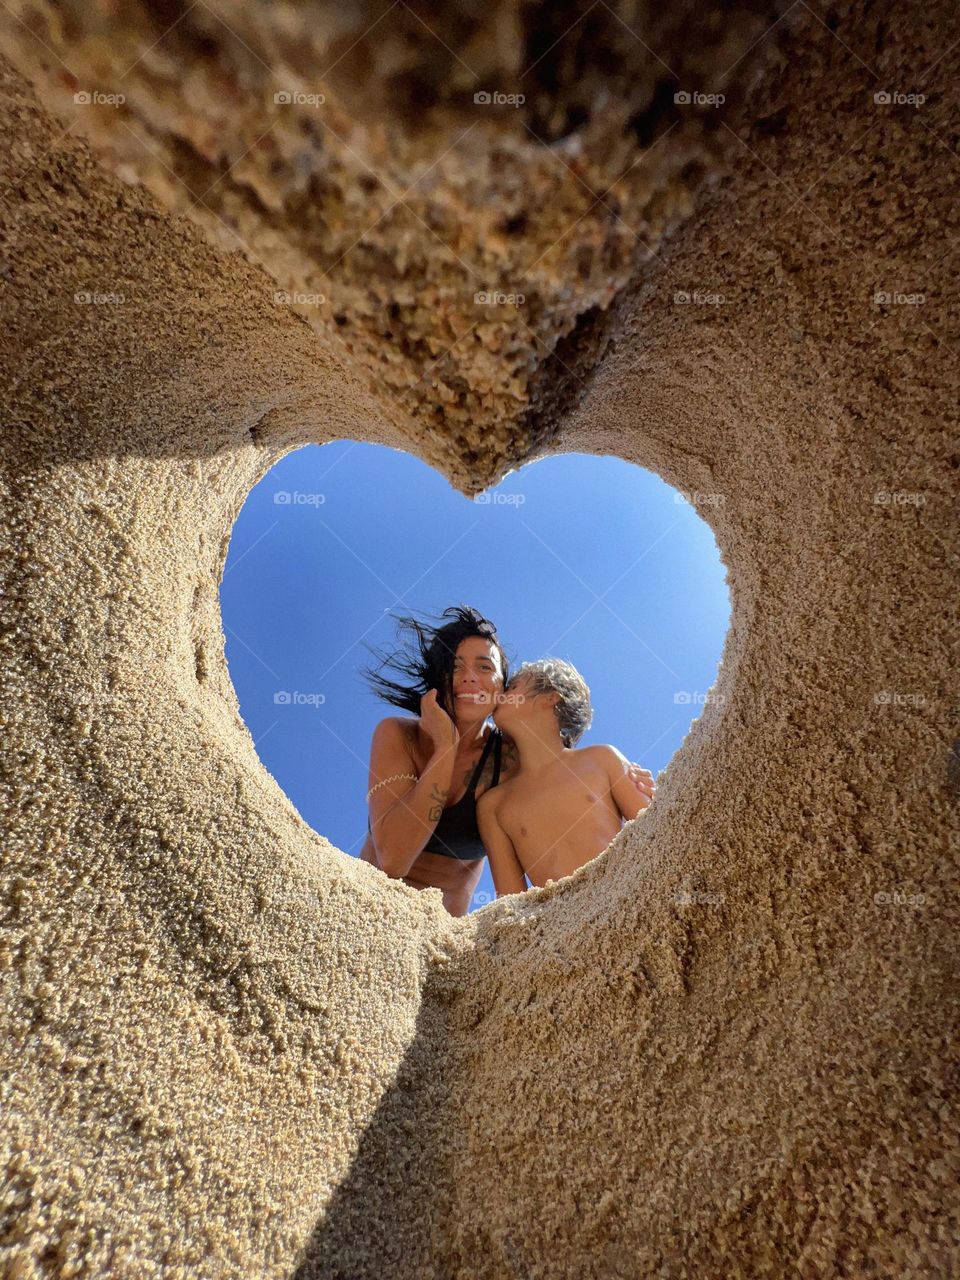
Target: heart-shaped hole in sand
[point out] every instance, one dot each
(590, 559)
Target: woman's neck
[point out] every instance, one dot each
(470, 738)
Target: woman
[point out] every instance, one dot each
(426, 774)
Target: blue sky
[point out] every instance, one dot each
(586, 558)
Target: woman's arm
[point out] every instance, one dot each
(642, 779)
(404, 812)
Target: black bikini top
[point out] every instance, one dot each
(457, 835)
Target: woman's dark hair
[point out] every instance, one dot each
(430, 666)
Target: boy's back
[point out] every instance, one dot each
(545, 824)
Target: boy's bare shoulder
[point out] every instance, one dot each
(490, 799)
(487, 803)
(603, 753)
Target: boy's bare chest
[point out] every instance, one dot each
(548, 806)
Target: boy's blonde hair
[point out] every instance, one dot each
(574, 712)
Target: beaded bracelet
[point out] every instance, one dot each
(393, 778)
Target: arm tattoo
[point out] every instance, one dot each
(437, 798)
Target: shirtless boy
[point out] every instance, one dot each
(564, 804)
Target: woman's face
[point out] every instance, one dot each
(477, 679)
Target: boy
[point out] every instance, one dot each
(564, 805)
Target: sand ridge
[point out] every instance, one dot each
(724, 1047)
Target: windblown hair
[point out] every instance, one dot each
(574, 712)
(428, 663)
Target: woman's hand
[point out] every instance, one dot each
(642, 779)
(436, 724)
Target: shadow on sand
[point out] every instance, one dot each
(384, 1217)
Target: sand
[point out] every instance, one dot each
(726, 1046)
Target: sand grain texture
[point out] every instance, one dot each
(727, 1046)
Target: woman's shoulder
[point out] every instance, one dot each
(396, 724)
(394, 731)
